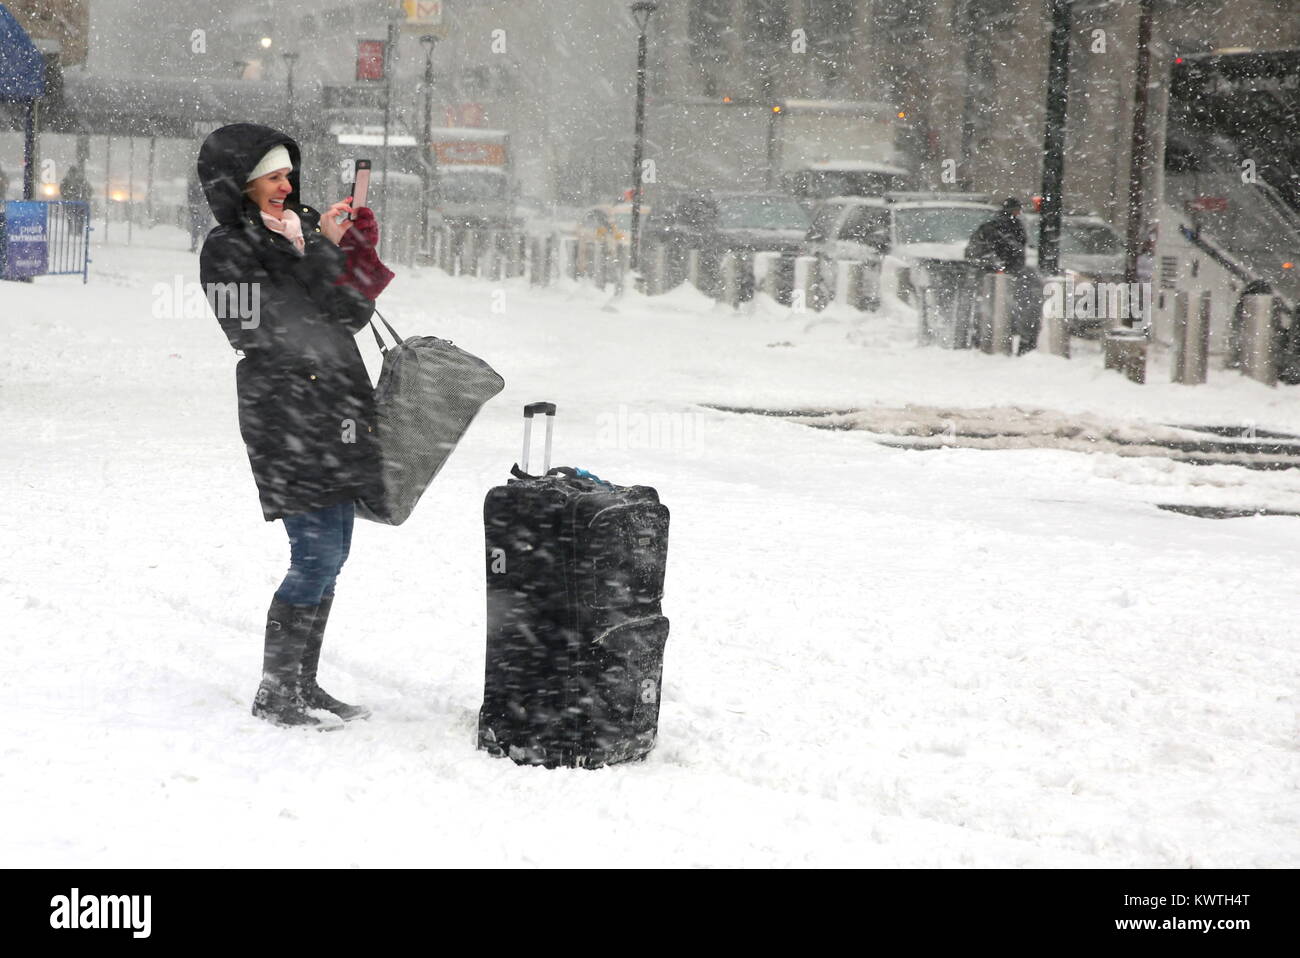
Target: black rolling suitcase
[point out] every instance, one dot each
(575, 635)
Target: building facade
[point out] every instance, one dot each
(966, 78)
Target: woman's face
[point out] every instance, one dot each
(269, 191)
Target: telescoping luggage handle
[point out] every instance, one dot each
(529, 411)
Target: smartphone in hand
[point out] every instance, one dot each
(360, 187)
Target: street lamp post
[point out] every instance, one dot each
(428, 40)
(641, 11)
(290, 59)
(390, 48)
(1058, 78)
(1137, 164)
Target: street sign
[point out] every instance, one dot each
(360, 97)
(426, 12)
(27, 246)
(469, 153)
(424, 16)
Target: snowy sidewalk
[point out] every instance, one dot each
(877, 656)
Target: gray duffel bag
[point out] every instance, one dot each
(429, 391)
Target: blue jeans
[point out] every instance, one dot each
(318, 547)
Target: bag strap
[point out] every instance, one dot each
(379, 342)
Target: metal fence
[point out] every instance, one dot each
(68, 232)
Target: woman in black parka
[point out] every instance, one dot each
(290, 288)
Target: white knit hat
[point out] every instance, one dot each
(277, 158)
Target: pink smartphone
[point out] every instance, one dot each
(360, 186)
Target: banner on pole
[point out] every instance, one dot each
(370, 59)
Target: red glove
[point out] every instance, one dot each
(363, 270)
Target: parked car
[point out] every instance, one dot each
(723, 221)
(1091, 252)
(906, 240)
(836, 178)
(609, 225)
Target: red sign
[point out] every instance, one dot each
(1208, 204)
(370, 59)
(470, 153)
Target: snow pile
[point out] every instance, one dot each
(877, 657)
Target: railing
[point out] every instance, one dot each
(69, 227)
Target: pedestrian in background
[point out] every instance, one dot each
(998, 246)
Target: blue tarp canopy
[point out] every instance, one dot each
(22, 68)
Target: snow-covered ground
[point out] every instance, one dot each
(878, 656)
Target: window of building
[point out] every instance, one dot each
(766, 22)
(831, 38)
(706, 25)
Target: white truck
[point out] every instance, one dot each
(475, 184)
(812, 148)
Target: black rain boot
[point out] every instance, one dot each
(315, 696)
(279, 698)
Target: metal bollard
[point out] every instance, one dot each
(1125, 350)
(1191, 338)
(465, 254)
(926, 317)
(849, 276)
(995, 314)
(569, 256)
(730, 275)
(767, 275)
(1054, 322)
(657, 276)
(486, 260)
(1258, 353)
(500, 255)
(805, 272)
(620, 262)
(693, 267)
(514, 255)
(446, 250)
(843, 282)
(473, 250)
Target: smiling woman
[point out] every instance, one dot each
(306, 405)
(269, 191)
